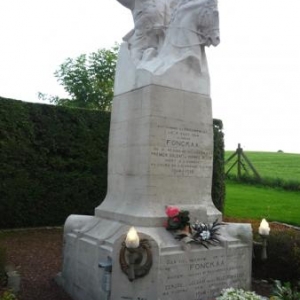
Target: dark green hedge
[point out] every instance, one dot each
(283, 261)
(275, 183)
(53, 163)
(218, 186)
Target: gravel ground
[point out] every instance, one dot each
(37, 255)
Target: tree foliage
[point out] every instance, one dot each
(88, 79)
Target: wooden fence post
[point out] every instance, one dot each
(240, 164)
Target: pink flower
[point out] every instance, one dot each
(172, 211)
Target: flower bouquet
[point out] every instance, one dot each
(179, 223)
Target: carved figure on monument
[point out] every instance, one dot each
(194, 25)
(150, 20)
(168, 41)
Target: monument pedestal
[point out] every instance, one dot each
(179, 271)
(160, 154)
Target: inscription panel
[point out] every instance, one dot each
(200, 275)
(183, 152)
(238, 267)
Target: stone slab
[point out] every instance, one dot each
(179, 271)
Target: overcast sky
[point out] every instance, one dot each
(254, 71)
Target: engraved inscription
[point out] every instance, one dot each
(131, 298)
(202, 277)
(182, 153)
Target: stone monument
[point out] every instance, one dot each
(160, 155)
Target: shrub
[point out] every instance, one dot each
(218, 186)
(53, 163)
(8, 295)
(3, 276)
(278, 183)
(238, 294)
(283, 261)
(285, 291)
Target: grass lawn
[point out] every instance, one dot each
(271, 164)
(246, 201)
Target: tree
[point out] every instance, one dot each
(88, 79)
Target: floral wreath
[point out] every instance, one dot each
(179, 223)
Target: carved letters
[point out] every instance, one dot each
(181, 154)
(202, 277)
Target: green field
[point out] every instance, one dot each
(256, 202)
(251, 202)
(271, 164)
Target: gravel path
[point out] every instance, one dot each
(37, 255)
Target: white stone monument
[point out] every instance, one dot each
(160, 154)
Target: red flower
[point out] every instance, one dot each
(172, 211)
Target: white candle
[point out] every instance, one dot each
(132, 239)
(264, 228)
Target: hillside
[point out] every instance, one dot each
(266, 200)
(271, 164)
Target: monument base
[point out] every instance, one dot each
(179, 271)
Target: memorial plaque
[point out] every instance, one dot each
(193, 274)
(202, 274)
(182, 153)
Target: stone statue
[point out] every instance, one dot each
(176, 28)
(151, 18)
(194, 25)
(167, 44)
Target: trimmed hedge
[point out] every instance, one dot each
(283, 261)
(53, 163)
(218, 185)
(276, 183)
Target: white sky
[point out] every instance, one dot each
(254, 71)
